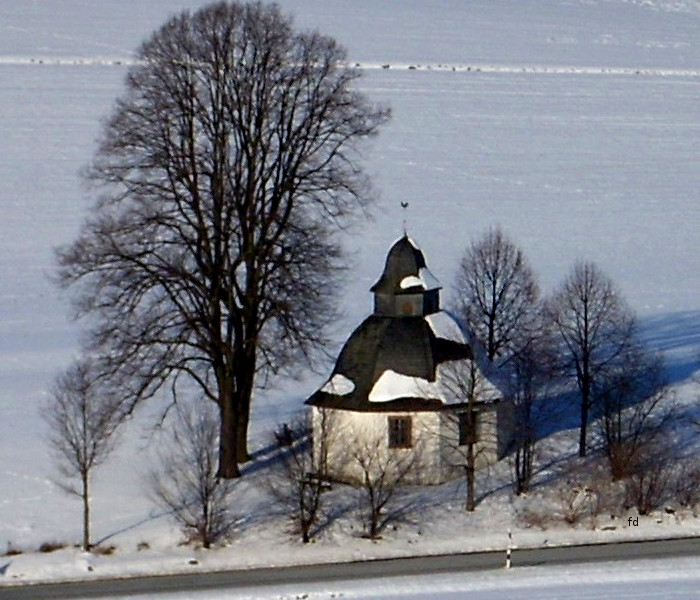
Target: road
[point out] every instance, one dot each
(453, 563)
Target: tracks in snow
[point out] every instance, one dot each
(535, 69)
(370, 66)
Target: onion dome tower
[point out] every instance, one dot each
(390, 362)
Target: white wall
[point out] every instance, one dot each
(353, 437)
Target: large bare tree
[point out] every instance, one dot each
(226, 170)
(595, 328)
(496, 291)
(83, 421)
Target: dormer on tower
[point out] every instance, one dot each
(406, 288)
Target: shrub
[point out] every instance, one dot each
(12, 551)
(51, 546)
(686, 485)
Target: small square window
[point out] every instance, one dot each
(400, 432)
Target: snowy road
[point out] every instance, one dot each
(672, 579)
(537, 573)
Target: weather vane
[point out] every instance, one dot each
(404, 207)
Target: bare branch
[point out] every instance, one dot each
(497, 293)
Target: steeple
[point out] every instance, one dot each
(406, 288)
(392, 360)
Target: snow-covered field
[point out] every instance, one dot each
(574, 124)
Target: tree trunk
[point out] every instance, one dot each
(470, 505)
(86, 511)
(245, 377)
(585, 403)
(583, 432)
(228, 446)
(242, 454)
(471, 461)
(471, 445)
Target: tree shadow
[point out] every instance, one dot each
(152, 516)
(337, 508)
(266, 457)
(677, 337)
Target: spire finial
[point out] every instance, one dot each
(404, 206)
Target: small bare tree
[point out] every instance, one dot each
(634, 412)
(83, 420)
(467, 390)
(300, 484)
(185, 481)
(686, 484)
(595, 328)
(531, 371)
(651, 480)
(497, 291)
(385, 473)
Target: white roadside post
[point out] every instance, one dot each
(509, 549)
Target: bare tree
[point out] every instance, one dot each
(634, 413)
(531, 373)
(300, 486)
(185, 480)
(385, 473)
(497, 292)
(651, 480)
(595, 328)
(83, 421)
(327, 440)
(463, 429)
(227, 169)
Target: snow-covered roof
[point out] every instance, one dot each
(412, 242)
(424, 280)
(445, 327)
(446, 388)
(339, 384)
(392, 386)
(403, 359)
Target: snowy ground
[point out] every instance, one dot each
(574, 124)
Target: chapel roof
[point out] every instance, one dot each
(396, 362)
(391, 364)
(405, 270)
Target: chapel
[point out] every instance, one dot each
(404, 383)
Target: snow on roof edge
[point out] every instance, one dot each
(339, 384)
(445, 327)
